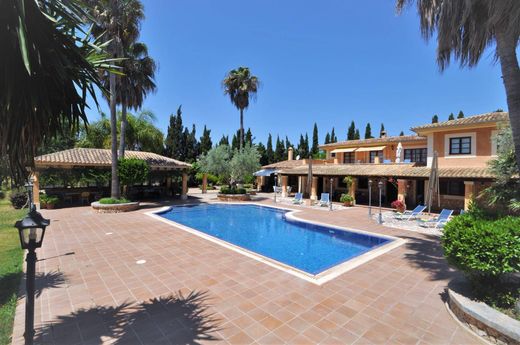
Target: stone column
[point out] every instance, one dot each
(469, 192)
(36, 188)
(259, 183)
(285, 180)
(184, 194)
(401, 190)
(314, 188)
(204, 183)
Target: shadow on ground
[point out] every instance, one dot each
(426, 253)
(43, 281)
(175, 319)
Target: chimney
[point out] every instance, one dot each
(290, 153)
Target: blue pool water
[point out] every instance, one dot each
(266, 231)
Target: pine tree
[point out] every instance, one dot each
(401, 134)
(435, 118)
(249, 137)
(368, 131)
(356, 135)
(451, 117)
(351, 131)
(224, 140)
(333, 138)
(269, 149)
(382, 131)
(279, 150)
(174, 136)
(205, 141)
(327, 138)
(264, 160)
(461, 115)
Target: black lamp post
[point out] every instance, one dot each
(330, 194)
(380, 185)
(369, 198)
(31, 230)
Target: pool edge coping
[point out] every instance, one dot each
(318, 279)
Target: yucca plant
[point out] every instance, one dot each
(46, 76)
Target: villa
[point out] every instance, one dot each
(463, 146)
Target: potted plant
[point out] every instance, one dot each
(48, 201)
(347, 199)
(399, 206)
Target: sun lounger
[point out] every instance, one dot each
(408, 215)
(298, 198)
(325, 200)
(437, 222)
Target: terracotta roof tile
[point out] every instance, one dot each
(396, 170)
(373, 141)
(470, 120)
(102, 157)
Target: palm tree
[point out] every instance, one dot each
(120, 20)
(135, 84)
(465, 29)
(46, 76)
(241, 86)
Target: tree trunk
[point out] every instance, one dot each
(115, 190)
(122, 135)
(506, 48)
(241, 128)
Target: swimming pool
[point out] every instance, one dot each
(273, 234)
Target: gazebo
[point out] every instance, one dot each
(162, 169)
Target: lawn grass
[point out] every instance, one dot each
(10, 268)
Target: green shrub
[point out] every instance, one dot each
(18, 198)
(112, 201)
(48, 199)
(2, 195)
(232, 190)
(346, 198)
(132, 171)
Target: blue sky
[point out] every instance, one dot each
(329, 62)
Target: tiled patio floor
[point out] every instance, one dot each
(190, 290)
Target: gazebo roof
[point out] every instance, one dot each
(87, 157)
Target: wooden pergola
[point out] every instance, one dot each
(101, 158)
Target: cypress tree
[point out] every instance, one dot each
(307, 145)
(435, 118)
(269, 149)
(263, 154)
(315, 140)
(356, 135)
(368, 131)
(249, 137)
(224, 140)
(333, 138)
(174, 137)
(279, 150)
(382, 130)
(205, 141)
(461, 115)
(401, 134)
(191, 145)
(327, 138)
(451, 117)
(351, 131)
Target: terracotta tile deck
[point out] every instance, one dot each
(190, 290)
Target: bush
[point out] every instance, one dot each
(48, 200)
(112, 201)
(18, 199)
(397, 204)
(232, 190)
(346, 198)
(2, 195)
(132, 171)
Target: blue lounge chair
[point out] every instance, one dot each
(325, 200)
(407, 161)
(439, 221)
(407, 215)
(387, 161)
(298, 198)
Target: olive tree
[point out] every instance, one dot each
(244, 163)
(217, 162)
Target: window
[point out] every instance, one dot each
(349, 157)
(452, 187)
(333, 154)
(373, 155)
(416, 155)
(363, 183)
(460, 146)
